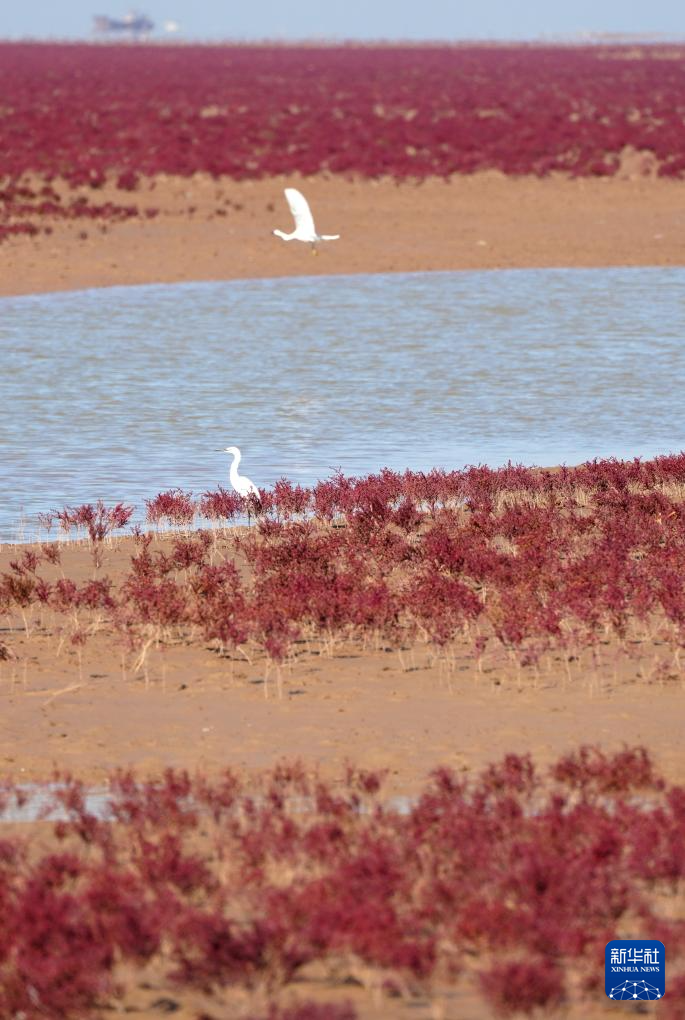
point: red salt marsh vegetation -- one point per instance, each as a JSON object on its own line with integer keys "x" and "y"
{"x": 517, "y": 561}
{"x": 81, "y": 112}
{"x": 290, "y": 898}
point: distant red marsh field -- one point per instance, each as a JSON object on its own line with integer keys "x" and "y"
{"x": 84, "y": 111}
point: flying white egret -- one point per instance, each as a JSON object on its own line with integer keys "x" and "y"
{"x": 304, "y": 221}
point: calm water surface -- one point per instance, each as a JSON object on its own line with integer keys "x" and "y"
{"x": 124, "y": 392}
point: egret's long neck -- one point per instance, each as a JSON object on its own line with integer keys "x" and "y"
{"x": 286, "y": 237}
{"x": 233, "y": 473}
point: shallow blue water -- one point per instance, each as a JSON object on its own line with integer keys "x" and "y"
{"x": 40, "y": 802}
{"x": 123, "y": 392}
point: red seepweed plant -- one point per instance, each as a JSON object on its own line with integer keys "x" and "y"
{"x": 98, "y": 521}
{"x": 174, "y": 506}
{"x": 509, "y": 883}
{"x": 221, "y": 506}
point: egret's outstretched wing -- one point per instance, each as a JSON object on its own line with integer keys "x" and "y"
{"x": 299, "y": 207}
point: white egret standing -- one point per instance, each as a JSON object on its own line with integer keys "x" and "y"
{"x": 242, "y": 485}
{"x": 304, "y": 221}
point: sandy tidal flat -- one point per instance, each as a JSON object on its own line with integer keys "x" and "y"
{"x": 221, "y": 229}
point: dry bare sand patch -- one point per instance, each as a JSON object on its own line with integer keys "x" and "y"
{"x": 221, "y": 229}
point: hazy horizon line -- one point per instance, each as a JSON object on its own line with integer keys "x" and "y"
{"x": 580, "y": 37}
